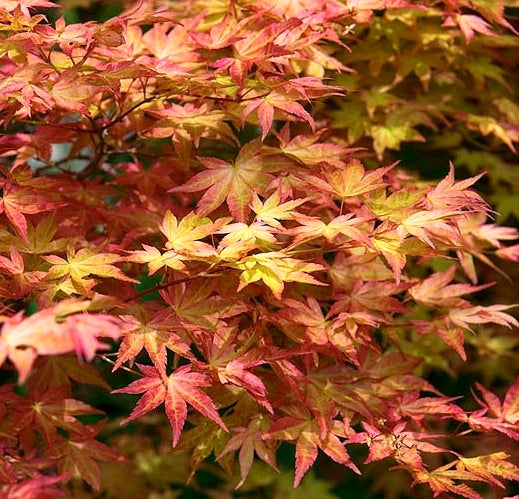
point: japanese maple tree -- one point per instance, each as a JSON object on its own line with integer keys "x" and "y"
{"x": 181, "y": 205}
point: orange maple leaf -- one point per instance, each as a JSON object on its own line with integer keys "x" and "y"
{"x": 232, "y": 182}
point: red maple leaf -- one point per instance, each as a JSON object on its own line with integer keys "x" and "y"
{"x": 302, "y": 428}
{"x": 249, "y": 440}
{"x": 175, "y": 391}
{"x": 20, "y": 201}
{"x": 80, "y": 451}
{"x": 505, "y": 414}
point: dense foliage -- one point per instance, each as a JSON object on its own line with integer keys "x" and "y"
{"x": 198, "y": 203}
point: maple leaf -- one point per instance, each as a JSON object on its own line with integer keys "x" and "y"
{"x": 271, "y": 211}
{"x": 370, "y": 295}
{"x": 480, "y": 468}
{"x": 404, "y": 446}
{"x": 14, "y": 265}
{"x": 435, "y": 290}
{"x": 436, "y": 224}
{"x": 317, "y": 328}
{"x": 469, "y": 24}
{"x": 81, "y": 264}
{"x": 71, "y": 90}
{"x": 172, "y": 43}
{"x": 483, "y": 315}
{"x": 189, "y": 123}
{"x": 249, "y": 440}
{"x": 310, "y": 151}
{"x": 51, "y": 332}
{"x": 234, "y": 182}
{"x": 305, "y": 431}
{"x": 451, "y": 194}
{"x": 506, "y": 414}
{"x": 80, "y": 451}
{"x": 146, "y": 180}
{"x": 52, "y": 409}
{"x": 346, "y": 225}
{"x": 489, "y": 466}
{"x": 442, "y": 480}
{"x": 452, "y": 335}
{"x": 254, "y": 47}
{"x": 68, "y": 37}
{"x": 390, "y": 245}
{"x": 200, "y": 304}
{"x": 61, "y": 370}
{"x": 274, "y": 269}
{"x": 156, "y": 260}
{"x": 17, "y": 202}
{"x": 221, "y": 34}
{"x": 233, "y": 365}
{"x": 183, "y": 236}
{"x": 153, "y": 333}
{"x": 175, "y": 391}
{"x": 242, "y": 239}
{"x": 276, "y": 100}
{"x": 494, "y": 234}
{"x": 25, "y": 5}
{"x": 349, "y": 180}
{"x": 417, "y": 408}
{"x": 40, "y": 238}
{"x": 38, "y": 485}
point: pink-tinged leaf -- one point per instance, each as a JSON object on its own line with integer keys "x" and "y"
{"x": 306, "y": 454}
{"x": 280, "y": 102}
{"x": 470, "y": 24}
{"x": 511, "y": 404}
{"x": 483, "y": 315}
{"x": 265, "y": 116}
{"x": 232, "y": 182}
{"x": 309, "y": 438}
{"x": 455, "y": 195}
{"x": 442, "y": 481}
{"x": 154, "y": 334}
{"x": 12, "y": 266}
{"x": 20, "y": 201}
{"x": 428, "y": 225}
{"x": 509, "y": 253}
{"x": 504, "y": 418}
{"x": 72, "y": 90}
{"x": 249, "y": 440}
{"x": 454, "y": 337}
{"x": 47, "y": 333}
{"x": 79, "y": 453}
{"x": 26, "y": 5}
{"x": 334, "y": 448}
{"x": 37, "y": 486}
{"x": 435, "y": 290}
{"x": 418, "y": 408}
{"x": 348, "y": 180}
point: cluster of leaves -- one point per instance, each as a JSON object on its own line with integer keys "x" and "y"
{"x": 427, "y": 76}
{"x": 180, "y": 144}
